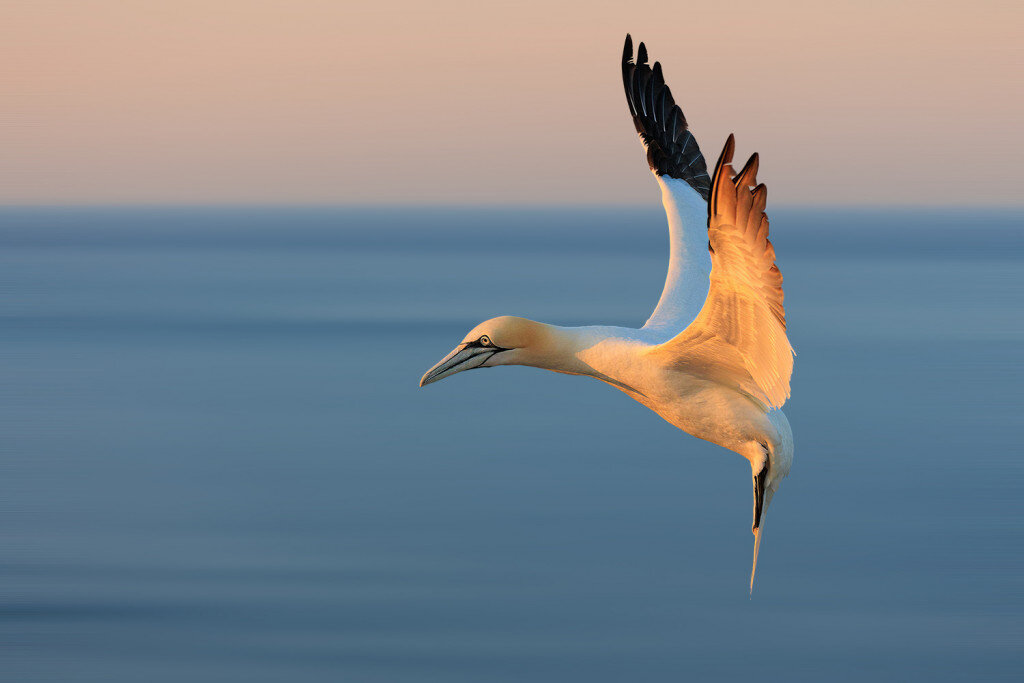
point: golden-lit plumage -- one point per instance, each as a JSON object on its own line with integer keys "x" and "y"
{"x": 739, "y": 336}
{"x": 713, "y": 359}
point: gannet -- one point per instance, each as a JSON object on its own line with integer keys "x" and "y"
{"x": 713, "y": 359}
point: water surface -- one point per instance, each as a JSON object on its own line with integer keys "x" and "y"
{"x": 218, "y": 465}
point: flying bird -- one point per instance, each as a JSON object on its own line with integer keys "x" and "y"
{"x": 713, "y": 359}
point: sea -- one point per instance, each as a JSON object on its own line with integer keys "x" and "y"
{"x": 216, "y": 463}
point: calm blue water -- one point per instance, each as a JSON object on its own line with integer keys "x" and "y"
{"x": 218, "y": 467}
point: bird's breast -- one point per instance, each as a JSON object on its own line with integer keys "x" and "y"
{"x": 698, "y": 406}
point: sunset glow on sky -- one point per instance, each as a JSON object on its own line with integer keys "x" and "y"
{"x": 311, "y": 101}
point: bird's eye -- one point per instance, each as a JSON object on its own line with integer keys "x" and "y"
{"x": 485, "y": 341}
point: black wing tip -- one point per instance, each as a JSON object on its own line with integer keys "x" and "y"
{"x": 660, "y": 122}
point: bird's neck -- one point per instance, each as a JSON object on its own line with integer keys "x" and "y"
{"x": 603, "y": 352}
{"x": 551, "y": 347}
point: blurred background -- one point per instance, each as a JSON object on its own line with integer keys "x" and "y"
{"x": 300, "y": 101}
{"x": 234, "y": 235}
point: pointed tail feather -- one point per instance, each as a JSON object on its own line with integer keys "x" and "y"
{"x": 757, "y": 547}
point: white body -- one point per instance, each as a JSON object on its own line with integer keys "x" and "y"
{"x": 628, "y": 360}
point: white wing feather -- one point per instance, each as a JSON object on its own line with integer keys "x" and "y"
{"x": 686, "y": 285}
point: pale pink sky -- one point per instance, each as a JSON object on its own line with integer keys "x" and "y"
{"x": 310, "y": 101}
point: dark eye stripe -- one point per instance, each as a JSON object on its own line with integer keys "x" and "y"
{"x": 484, "y": 342}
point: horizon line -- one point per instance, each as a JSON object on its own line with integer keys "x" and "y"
{"x": 485, "y": 205}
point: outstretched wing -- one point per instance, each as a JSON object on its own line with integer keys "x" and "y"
{"x": 677, "y": 163}
{"x": 739, "y": 337}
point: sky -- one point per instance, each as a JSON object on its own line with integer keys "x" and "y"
{"x": 450, "y": 102}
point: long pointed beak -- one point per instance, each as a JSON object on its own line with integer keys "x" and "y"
{"x": 462, "y": 357}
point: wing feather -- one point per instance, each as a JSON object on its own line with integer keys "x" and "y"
{"x": 671, "y": 151}
{"x": 676, "y": 161}
{"x": 739, "y": 336}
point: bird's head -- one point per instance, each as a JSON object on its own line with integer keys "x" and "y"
{"x": 505, "y": 340}
{"x": 768, "y": 471}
